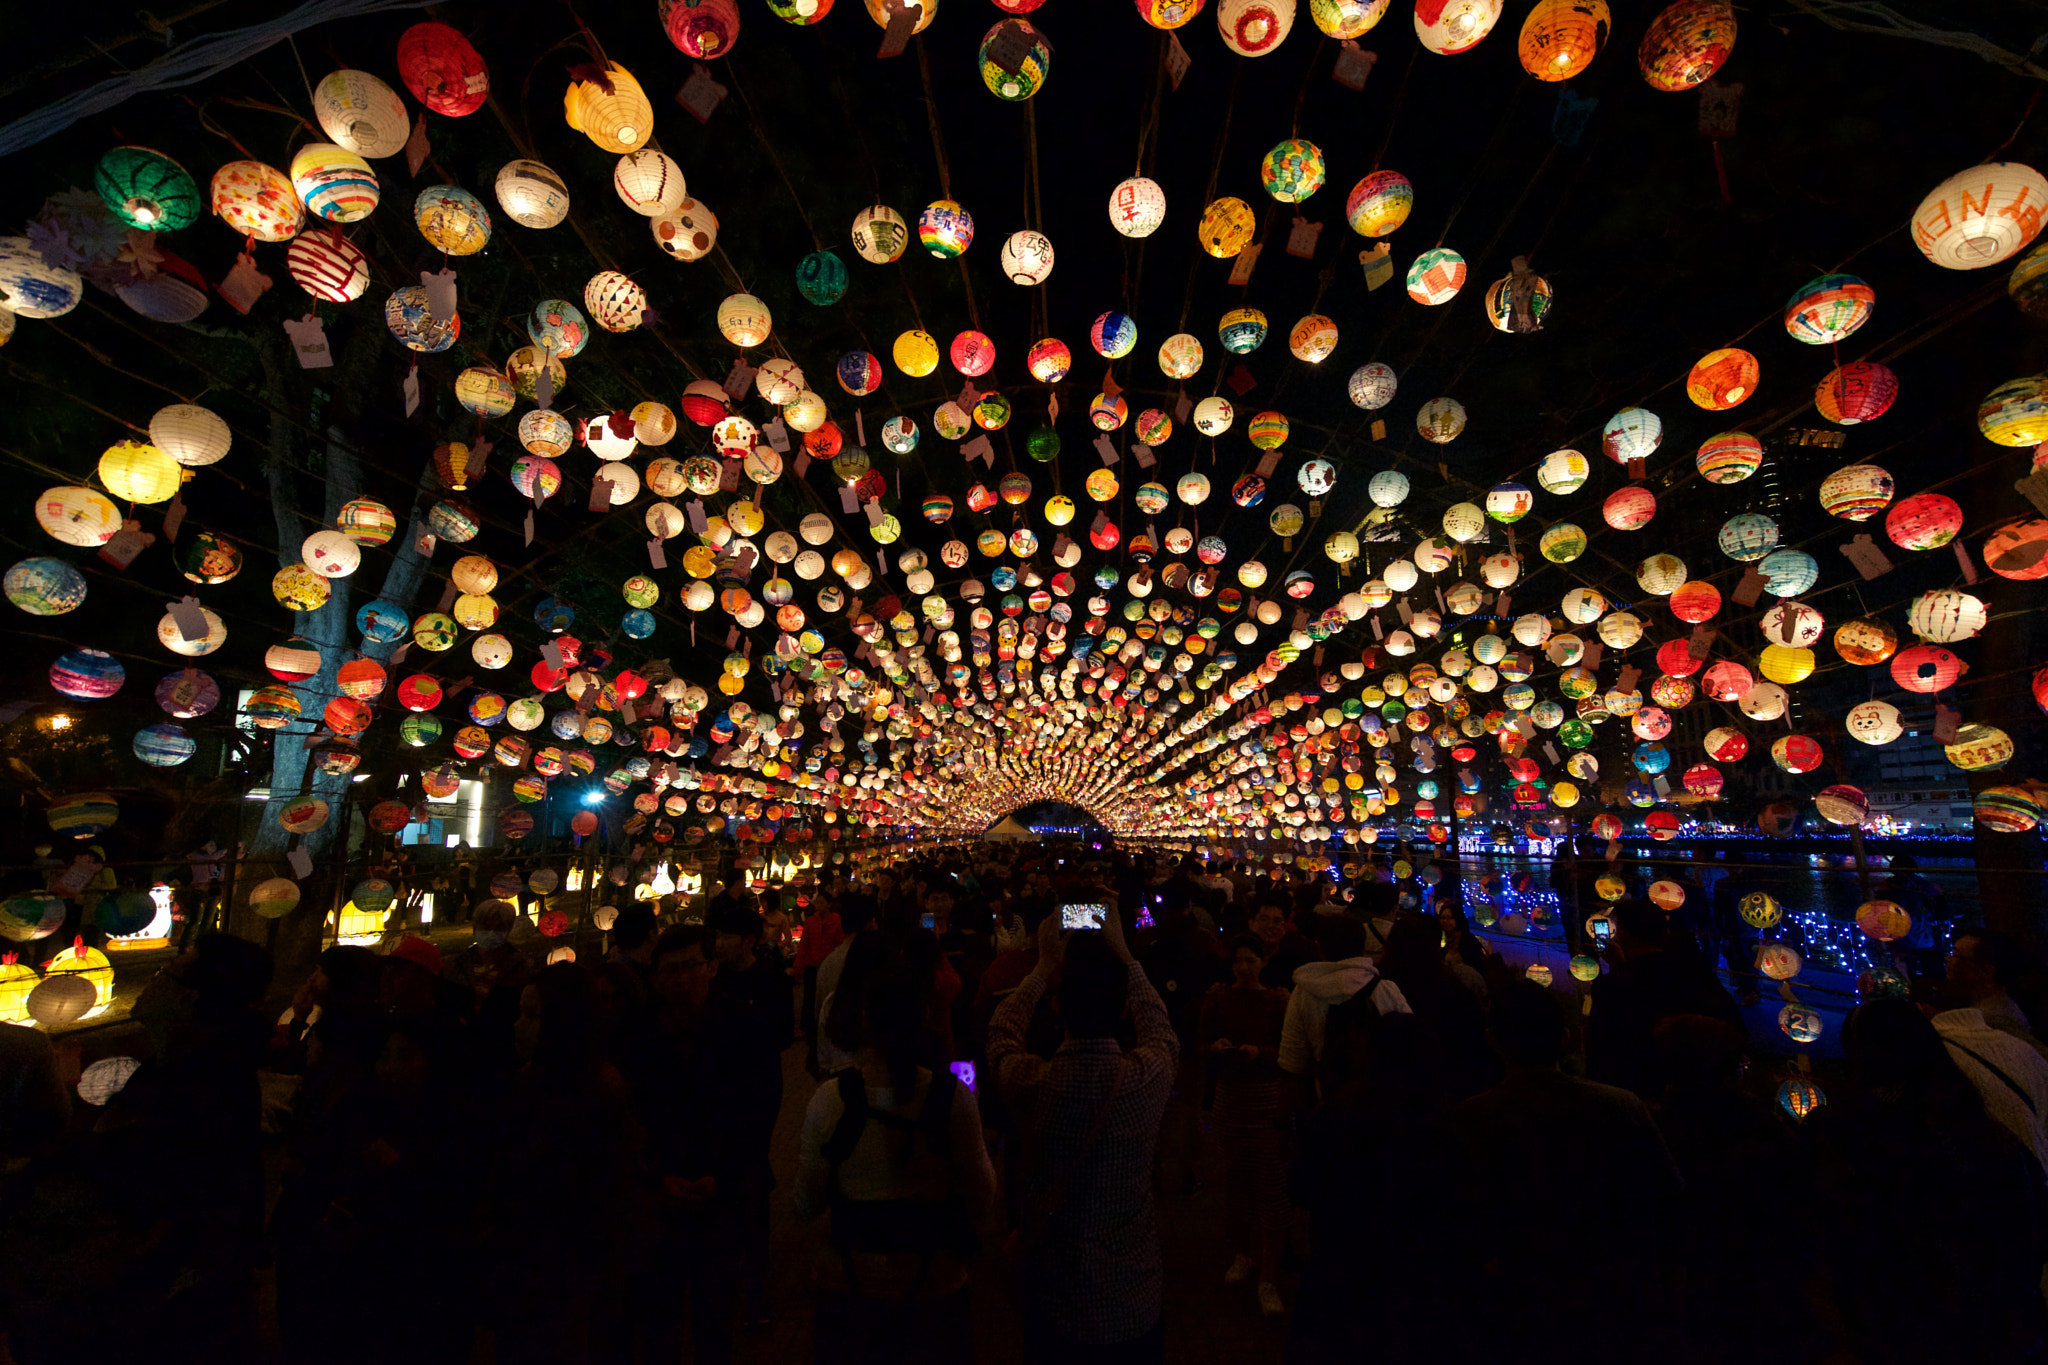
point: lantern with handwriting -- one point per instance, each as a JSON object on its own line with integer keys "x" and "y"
{"x": 1686, "y": 44}
{"x": 1981, "y": 216}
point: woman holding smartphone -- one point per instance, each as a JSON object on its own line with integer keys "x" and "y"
{"x": 1240, "y": 1032}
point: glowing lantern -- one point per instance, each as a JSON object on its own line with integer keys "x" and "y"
{"x": 1180, "y": 356}
{"x": 1748, "y": 536}
{"x": 334, "y": 183}
{"x": 1022, "y": 74}
{"x": 1981, "y": 216}
{"x": 1449, "y": 27}
{"x": 878, "y": 10}
{"x": 2016, "y": 412}
{"x": 1113, "y": 335}
{"x": 442, "y": 70}
{"x": 1242, "y": 330}
{"x": 916, "y": 353}
{"x": 1213, "y": 415}
{"x": 649, "y": 182}
{"x": 1440, "y": 420}
{"x": 1168, "y": 14}
{"x": 1508, "y": 503}
{"x": 1925, "y": 521}
{"x": 1629, "y": 509}
{"x": 1926, "y": 668}
{"x": 1312, "y": 339}
{"x": 1562, "y": 543}
{"x": 1292, "y": 171}
{"x": 1631, "y": 434}
{"x": 1560, "y": 38}
{"x": 413, "y": 323}
{"x": 1252, "y": 28}
{"x": 146, "y": 189}
{"x": 1787, "y": 573}
{"x": 2007, "y": 810}
{"x": 255, "y": 200}
{"x": 1500, "y": 303}
{"x": 1344, "y": 19}
{"x": 1865, "y": 642}
{"x": 1226, "y": 227}
{"x": 1857, "y": 392}
{"x": 1686, "y": 44}
{"x": 618, "y": 119}
{"x": 700, "y": 28}
{"x": 1137, "y": 207}
{"x": 1027, "y": 257}
{"x": 2019, "y": 551}
{"x": 1946, "y": 615}
{"x": 1873, "y": 722}
{"x": 1372, "y": 386}
{"x": 1436, "y": 276}
{"x": 1379, "y": 203}
{"x": 1563, "y": 471}
{"x": 1722, "y": 378}
{"x": 531, "y": 194}
{"x": 745, "y": 321}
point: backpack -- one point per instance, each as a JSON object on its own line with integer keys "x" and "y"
{"x": 901, "y": 1227}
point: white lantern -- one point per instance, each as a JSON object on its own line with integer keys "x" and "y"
{"x": 532, "y": 194}
{"x": 1388, "y": 488}
{"x": 1252, "y": 28}
{"x": 625, "y": 483}
{"x": 1137, "y": 207}
{"x": 649, "y": 182}
{"x": 1440, "y": 420}
{"x": 1213, "y": 416}
{"x": 1401, "y": 575}
{"x": 815, "y": 528}
{"x": 189, "y": 434}
{"x": 1372, "y": 386}
{"x": 1464, "y": 522}
{"x": 1874, "y": 722}
{"x": 1027, "y": 257}
{"x": 605, "y": 442}
{"x": 331, "y": 554}
{"x": 665, "y": 521}
{"x": 361, "y": 113}
{"x": 880, "y": 234}
{"x": 1981, "y": 216}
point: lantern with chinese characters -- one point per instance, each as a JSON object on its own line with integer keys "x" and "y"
{"x": 945, "y": 229}
{"x": 531, "y": 194}
{"x": 880, "y": 234}
{"x": 1686, "y": 44}
{"x": 1449, "y": 27}
{"x": 1925, "y": 521}
{"x": 745, "y": 321}
{"x": 334, "y": 183}
{"x": 1312, "y": 339}
{"x": 1137, "y": 207}
{"x": 1242, "y": 330}
{"x": 1014, "y": 59}
{"x": 619, "y": 119}
{"x": 1856, "y": 392}
{"x": 1252, "y": 28}
{"x": 1027, "y": 257}
{"x": 1226, "y": 227}
{"x": 1560, "y": 38}
{"x": 255, "y": 200}
{"x": 1436, "y": 276}
{"x": 443, "y": 71}
{"x": 1981, "y": 216}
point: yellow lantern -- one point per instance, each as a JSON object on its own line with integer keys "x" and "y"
{"x": 619, "y": 120}
{"x": 1227, "y": 226}
{"x": 135, "y": 471}
{"x": 16, "y": 982}
{"x": 916, "y": 353}
{"x": 878, "y": 10}
{"x": 1560, "y": 38}
{"x": 1786, "y": 664}
{"x": 744, "y": 320}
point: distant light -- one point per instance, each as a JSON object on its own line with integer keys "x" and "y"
{"x": 60, "y": 721}
{"x": 593, "y": 798}
{"x": 360, "y": 777}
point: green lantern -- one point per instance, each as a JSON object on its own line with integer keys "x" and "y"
{"x": 147, "y": 189}
{"x": 1044, "y": 445}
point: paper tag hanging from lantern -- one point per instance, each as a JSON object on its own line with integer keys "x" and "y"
{"x": 416, "y": 150}
{"x": 440, "y": 287}
{"x": 778, "y": 436}
{"x": 1378, "y": 264}
{"x": 1105, "y": 449}
{"x": 1143, "y": 455}
{"x": 544, "y": 382}
{"x": 126, "y": 543}
{"x": 700, "y": 94}
{"x": 1946, "y": 719}
{"x": 300, "y": 862}
{"x": 189, "y": 618}
{"x": 1302, "y": 237}
{"x": 903, "y": 20}
{"x": 174, "y": 517}
{"x": 739, "y": 379}
{"x": 309, "y": 342}
{"x": 1720, "y": 107}
{"x": 1354, "y": 64}
{"x": 1177, "y": 59}
{"x": 244, "y": 284}
{"x": 2034, "y": 488}
{"x": 1869, "y": 560}
{"x": 1241, "y": 268}
{"x": 1012, "y": 44}
{"x": 1379, "y": 430}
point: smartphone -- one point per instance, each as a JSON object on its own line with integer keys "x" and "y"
{"x": 929, "y": 921}
{"x": 1082, "y": 916}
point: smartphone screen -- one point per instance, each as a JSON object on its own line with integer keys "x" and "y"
{"x": 929, "y": 921}
{"x": 1082, "y": 916}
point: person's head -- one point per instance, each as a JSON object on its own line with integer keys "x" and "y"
{"x": 685, "y": 960}
{"x": 736, "y": 930}
{"x": 410, "y": 970}
{"x": 892, "y": 1012}
{"x": 1094, "y": 988}
{"x": 1698, "y": 1054}
{"x": 633, "y": 930}
{"x": 493, "y": 924}
{"x": 1415, "y": 950}
{"x": 1526, "y": 1026}
{"x": 1269, "y": 922}
{"x": 771, "y": 900}
{"x": 1340, "y": 937}
{"x": 1899, "y": 1058}
{"x": 348, "y": 976}
{"x": 1450, "y": 916}
{"x": 1640, "y": 928}
{"x": 1983, "y": 963}
{"x": 557, "y": 1029}
{"x": 1247, "y": 958}
{"x": 229, "y": 974}
{"x": 405, "y": 1066}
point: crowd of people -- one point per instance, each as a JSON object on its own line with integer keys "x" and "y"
{"x": 1410, "y": 1151}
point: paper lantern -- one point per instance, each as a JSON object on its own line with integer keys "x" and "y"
{"x": 1242, "y": 330}
{"x": 1252, "y": 28}
{"x": 1449, "y": 27}
{"x": 1226, "y": 227}
{"x": 253, "y": 199}
{"x": 1695, "y": 601}
{"x": 1946, "y": 615}
{"x": 361, "y": 113}
{"x": 532, "y": 194}
{"x": 559, "y": 328}
{"x": 1379, "y": 203}
{"x": 334, "y": 183}
{"x": 1925, "y": 521}
{"x": 146, "y": 189}
{"x": 1747, "y": 536}
{"x": 328, "y": 266}
{"x": 1979, "y": 748}
{"x": 546, "y": 432}
{"x": 1981, "y": 216}
{"x": 135, "y": 471}
{"x": 1292, "y": 171}
{"x": 409, "y": 319}
{"x": 1560, "y": 38}
{"x": 2019, "y": 551}
{"x": 1312, "y": 339}
{"x": 453, "y": 220}
{"x": 1926, "y": 668}
{"x": 1686, "y": 44}
{"x": 1014, "y": 59}
{"x": 1721, "y": 379}
{"x": 916, "y": 353}
{"x": 442, "y": 70}
{"x": 1372, "y": 386}
{"x": 945, "y": 229}
{"x": 2006, "y": 810}
{"x": 1729, "y": 457}
{"x": 1168, "y": 14}
{"x": 1137, "y": 207}
{"x": 1787, "y": 573}
{"x": 702, "y": 29}
{"x": 1857, "y": 392}
{"x": 1865, "y": 642}
{"x": 42, "y": 586}
{"x": 689, "y": 231}
{"x": 619, "y": 119}
{"x": 1873, "y": 722}
{"x": 170, "y": 637}
{"x": 1436, "y": 276}
{"x": 190, "y": 434}
{"x": 2016, "y": 412}
{"x": 1113, "y": 335}
{"x": 1786, "y": 664}
{"x": 1827, "y": 310}
{"x": 1629, "y": 509}
{"x": 1562, "y": 543}
{"x": 1027, "y": 257}
{"x": 649, "y": 182}
{"x": 87, "y": 674}
{"x": 1563, "y": 471}
{"x": 1856, "y": 492}
{"x": 1213, "y": 415}
{"x": 1440, "y": 420}
{"x": 880, "y": 234}
{"x": 745, "y": 321}
{"x": 1500, "y": 303}
{"x": 1631, "y": 434}
{"x": 1267, "y": 430}
{"x": 614, "y": 302}
{"x": 2028, "y": 283}
{"x": 1180, "y": 356}
{"x": 878, "y": 10}
{"x": 535, "y": 476}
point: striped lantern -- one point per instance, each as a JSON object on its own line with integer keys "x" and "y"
{"x": 255, "y": 200}
{"x": 366, "y": 521}
{"x": 443, "y": 71}
{"x": 361, "y": 113}
{"x": 190, "y": 434}
{"x": 2016, "y": 412}
{"x": 146, "y": 189}
{"x": 328, "y": 266}
{"x": 334, "y": 183}
{"x": 1379, "y": 203}
{"x": 458, "y": 464}
{"x": 618, "y": 120}
{"x": 1828, "y": 309}
{"x": 1981, "y": 216}
{"x": 649, "y": 182}
{"x": 1729, "y": 457}
{"x": 1686, "y": 44}
{"x": 1860, "y": 391}
{"x": 1856, "y": 492}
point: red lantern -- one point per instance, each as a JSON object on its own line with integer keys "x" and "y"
{"x": 389, "y": 817}
{"x": 825, "y": 442}
{"x": 361, "y": 678}
{"x": 346, "y": 716}
{"x": 553, "y": 923}
{"x": 514, "y": 823}
{"x": 1695, "y": 601}
{"x": 1105, "y": 535}
{"x": 1927, "y": 668}
{"x": 419, "y": 693}
{"x": 1606, "y": 826}
{"x": 1630, "y": 508}
{"x": 1703, "y": 780}
{"x": 1726, "y": 744}
{"x": 1662, "y": 825}
{"x": 1675, "y": 658}
{"x": 584, "y": 822}
{"x": 1727, "y": 681}
{"x": 1857, "y": 392}
{"x": 442, "y": 70}
{"x": 549, "y": 679}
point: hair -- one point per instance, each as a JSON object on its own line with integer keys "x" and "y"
{"x": 355, "y": 973}
{"x": 1892, "y": 1046}
{"x": 856, "y": 910}
{"x": 1528, "y": 1029}
{"x": 634, "y": 926}
{"x": 1415, "y": 950}
{"x": 1641, "y": 921}
{"x": 1999, "y": 951}
{"x": 1270, "y": 903}
{"x": 495, "y": 916}
{"x": 1094, "y": 988}
{"x": 892, "y": 1011}
{"x": 1340, "y": 936}
{"x": 1698, "y": 1053}
{"x": 569, "y": 1019}
{"x": 733, "y": 919}
{"x": 683, "y": 937}
{"x": 229, "y": 973}
{"x": 1247, "y": 943}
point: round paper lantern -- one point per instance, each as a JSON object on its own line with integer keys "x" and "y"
{"x": 1560, "y": 38}
{"x": 1029, "y": 52}
{"x": 1695, "y": 601}
{"x": 1856, "y": 392}
{"x": 1630, "y": 508}
{"x": 409, "y": 319}
{"x": 745, "y": 321}
{"x": 1873, "y": 722}
{"x": 2006, "y": 810}
{"x": 1631, "y": 434}
{"x": 1372, "y": 386}
{"x": 1345, "y": 19}
{"x": 1925, "y": 521}
{"x": 1180, "y": 356}
{"x": 689, "y": 231}
{"x": 1786, "y": 664}
{"x": 1292, "y": 171}
{"x": 1748, "y": 536}
{"x": 1979, "y": 748}
{"x": 1865, "y": 642}
{"x": 2016, "y": 412}
{"x": 2019, "y": 551}
{"x": 702, "y": 29}
{"x": 135, "y": 471}
{"x": 1686, "y": 44}
{"x": 1926, "y": 668}
{"x": 1168, "y": 14}
{"x": 146, "y": 189}
{"x": 1787, "y": 573}
{"x": 649, "y": 182}
{"x": 334, "y": 183}
{"x": 1227, "y": 227}
{"x": 189, "y": 434}
{"x": 253, "y": 199}
{"x": 1242, "y": 330}
{"x": 614, "y": 301}
{"x": 1562, "y": 543}
{"x": 361, "y": 113}
{"x": 618, "y": 120}
{"x": 1440, "y": 420}
{"x": 1449, "y": 27}
{"x": 164, "y": 746}
{"x": 87, "y": 674}
{"x": 1252, "y": 28}
{"x": 1563, "y": 471}
{"x": 879, "y": 232}
{"x": 1436, "y": 276}
{"x": 1721, "y": 379}
{"x": 1027, "y": 257}
{"x": 1113, "y": 335}
{"x": 77, "y": 516}
{"x": 1049, "y": 360}
{"x": 531, "y": 194}
{"x": 1826, "y": 310}
{"x": 63, "y": 999}
{"x": 1213, "y": 415}
{"x": 916, "y": 353}
{"x": 328, "y": 266}
{"x": 1137, "y": 207}
{"x": 42, "y": 586}
{"x": 1500, "y": 304}
{"x": 442, "y": 70}
{"x": 1946, "y": 615}
{"x": 331, "y": 554}
{"x": 1312, "y": 339}
{"x": 1379, "y": 203}
{"x": 1981, "y": 216}
{"x": 945, "y": 229}
{"x": 1856, "y": 492}
{"x": 2028, "y": 283}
